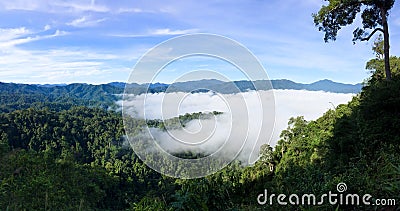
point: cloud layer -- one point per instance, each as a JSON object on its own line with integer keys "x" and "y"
{"x": 239, "y": 125}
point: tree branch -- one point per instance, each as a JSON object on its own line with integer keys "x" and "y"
{"x": 373, "y": 32}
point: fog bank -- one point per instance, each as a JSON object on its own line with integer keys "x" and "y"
{"x": 239, "y": 125}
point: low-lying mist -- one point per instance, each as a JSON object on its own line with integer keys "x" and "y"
{"x": 227, "y": 129}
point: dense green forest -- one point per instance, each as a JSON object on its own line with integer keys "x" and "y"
{"x": 23, "y": 96}
{"x": 76, "y": 158}
{"x": 65, "y": 147}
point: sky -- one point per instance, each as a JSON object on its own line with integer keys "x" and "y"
{"x": 93, "y": 41}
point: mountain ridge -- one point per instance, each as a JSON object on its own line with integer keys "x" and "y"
{"x": 240, "y": 86}
{"x": 191, "y": 86}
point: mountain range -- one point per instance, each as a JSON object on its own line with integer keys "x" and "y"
{"x": 239, "y": 86}
{"x": 62, "y": 96}
{"x": 188, "y": 86}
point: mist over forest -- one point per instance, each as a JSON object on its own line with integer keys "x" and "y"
{"x": 287, "y": 104}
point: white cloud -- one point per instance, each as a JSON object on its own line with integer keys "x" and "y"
{"x": 52, "y": 67}
{"x": 156, "y": 32}
{"x": 59, "y": 33}
{"x": 7, "y": 34}
{"x": 130, "y": 10}
{"x": 16, "y": 36}
{"x": 310, "y": 104}
{"x": 167, "y": 31}
{"x": 59, "y": 65}
{"x": 21, "y": 5}
{"x": 47, "y": 27}
{"x": 135, "y": 10}
{"x": 55, "y": 6}
{"x": 82, "y": 7}
{"x": 85, "y": 21}
{"x": 288, "y": 103}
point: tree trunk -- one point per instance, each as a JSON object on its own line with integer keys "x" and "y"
{"x": 386, "y": 44}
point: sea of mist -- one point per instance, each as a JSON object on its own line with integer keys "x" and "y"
{"x": 208, "y": 135}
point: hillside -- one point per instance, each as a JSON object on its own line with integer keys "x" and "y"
{"x": 77, "y": 158}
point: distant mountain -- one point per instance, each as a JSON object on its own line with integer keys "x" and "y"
{"x": 90, "y": 91}
{"x": 60, "y": 96}
{"x": 330, "y": 86}
{"x": 117, "y": 84}
{"x": 287, "y": 84}
{"x": 240, "y": 86}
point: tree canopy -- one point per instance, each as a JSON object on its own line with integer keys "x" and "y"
{"x": 339, "y": 13}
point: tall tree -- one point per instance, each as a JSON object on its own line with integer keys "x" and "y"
{"x": 339, "y": 13}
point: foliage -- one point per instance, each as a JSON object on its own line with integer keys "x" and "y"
{"x": 339, "y": 13}
{"x": 377, "y": 68}
{"x": 374, "y": 13}
{"x": 23, "y": 96}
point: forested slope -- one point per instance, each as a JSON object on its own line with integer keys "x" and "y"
{"x": 76, "y": 158}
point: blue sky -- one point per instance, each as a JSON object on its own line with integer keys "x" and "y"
{"x": 100, "y": 41}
